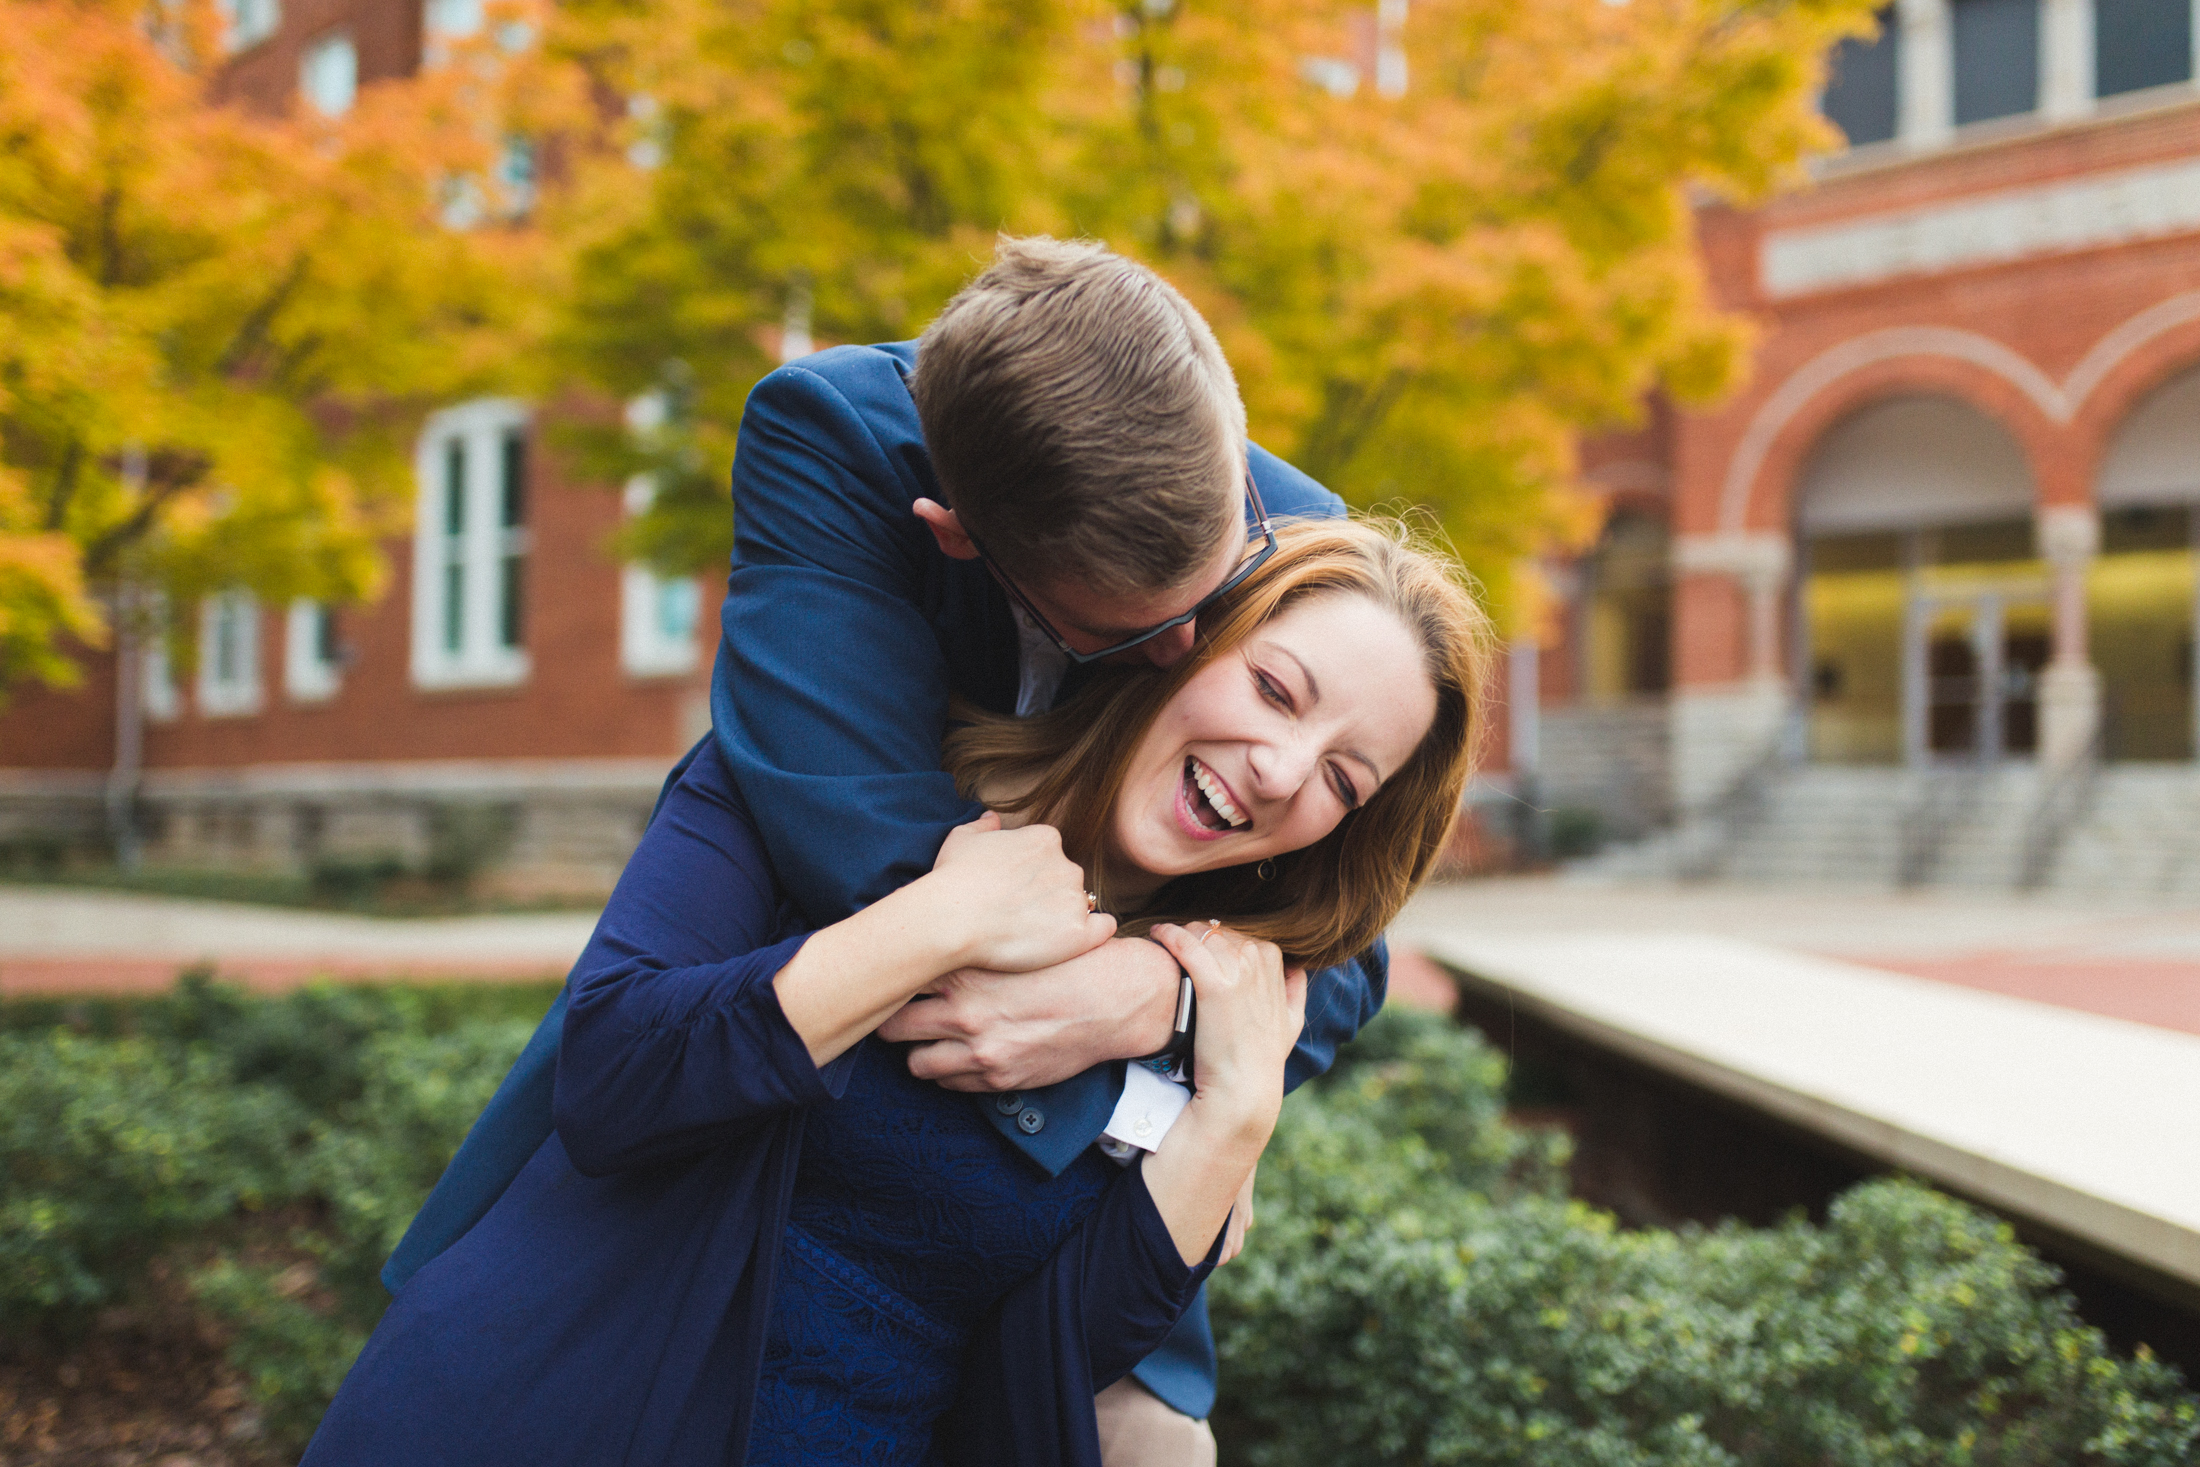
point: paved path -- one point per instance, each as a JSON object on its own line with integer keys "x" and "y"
{"x": 2129, "y": 960}
{"x": 2038, "y": 1054}
{"x": 62, "y": 940}
{"x": 2090, "y": 1125}
{"x": 2132, "y": 962}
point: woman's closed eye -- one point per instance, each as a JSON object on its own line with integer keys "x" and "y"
{"x": 1339, "y": 782}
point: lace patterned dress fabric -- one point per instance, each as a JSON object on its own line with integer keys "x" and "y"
{"x": 911, "y": 1218}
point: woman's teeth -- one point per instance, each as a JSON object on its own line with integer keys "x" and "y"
{"x": 1217, "y": 800}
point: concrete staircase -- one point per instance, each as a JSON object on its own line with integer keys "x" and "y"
{"x": 2141, "y": 834}
{"x": 2126, "y": 828}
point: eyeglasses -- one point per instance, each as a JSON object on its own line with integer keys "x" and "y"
{"x": 1255, "y": 557}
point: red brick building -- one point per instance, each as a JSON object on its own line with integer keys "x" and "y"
{"x": 514, "y": 698}
{"x": 1919, "y": 601}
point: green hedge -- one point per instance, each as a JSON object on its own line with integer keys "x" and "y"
{"x": 272, "y": 1149}
{"x": 1418, "y": 1289}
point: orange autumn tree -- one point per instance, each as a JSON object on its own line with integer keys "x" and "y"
{"x": 217, "y": 330}
{"x": 1438, "y": 240}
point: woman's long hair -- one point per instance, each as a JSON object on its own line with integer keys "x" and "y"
{"x": 1327, "y": 902}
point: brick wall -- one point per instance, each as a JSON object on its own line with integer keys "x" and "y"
{"x": 387, "y": 35}
{"x": 576, "y": 702}
{"x": 2056, "y": 346}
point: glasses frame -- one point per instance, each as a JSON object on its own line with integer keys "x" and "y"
{"x": 1236, "y": 578}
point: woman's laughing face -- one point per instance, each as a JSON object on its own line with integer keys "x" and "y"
{"x": 1271, "y": 744}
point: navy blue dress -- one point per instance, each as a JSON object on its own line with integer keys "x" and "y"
{"x": 727, "y": 1255}
{"x": 910, "y": 1220}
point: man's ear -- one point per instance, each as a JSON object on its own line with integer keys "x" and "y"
{"x": 946, "y": 529}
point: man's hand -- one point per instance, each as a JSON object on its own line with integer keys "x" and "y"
{"x": 980, "y": 1030}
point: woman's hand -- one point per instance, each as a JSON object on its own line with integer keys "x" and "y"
{"x": 1250, "y": 1015}
{"x": 1014, "y": 900}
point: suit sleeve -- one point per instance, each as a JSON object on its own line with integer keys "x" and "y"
{"x": 674, "y": 1041}
{"x": 1339, "y": 1002}
{"x": 830, "y": 695}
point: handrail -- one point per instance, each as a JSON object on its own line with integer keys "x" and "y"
{"x": 1921, "y": 835}
{"x": 1735, "y": 810}
{"x": 2062, "y": 804}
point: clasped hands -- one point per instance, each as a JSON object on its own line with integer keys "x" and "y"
{"x": 1045, "y": 990}
{"x": 1051, "y": 991}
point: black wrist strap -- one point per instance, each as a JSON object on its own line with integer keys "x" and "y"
{"x": 1182, "y": 1030}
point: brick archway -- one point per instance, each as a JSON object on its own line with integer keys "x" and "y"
{"x": 2153, "y": 348}
{"x": 1983, "y": 374}
{"x": 2063, "y": 426}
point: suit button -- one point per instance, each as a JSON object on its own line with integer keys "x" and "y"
{"x": 1009, "y": 1104}
{"x": 1031, "y": 1120}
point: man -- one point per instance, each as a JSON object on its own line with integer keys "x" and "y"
{"x": 1056, "y": 474}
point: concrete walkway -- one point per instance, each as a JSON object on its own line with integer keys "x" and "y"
{"x": 1950, "y": 1037}
{"x": 2133, "y": 960}
{"x": 58, "y": 940}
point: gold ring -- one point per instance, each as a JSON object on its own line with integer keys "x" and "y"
{"x": 1092, "y": 901}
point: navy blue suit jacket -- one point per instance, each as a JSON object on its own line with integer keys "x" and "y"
{"x": 846, "y": 634}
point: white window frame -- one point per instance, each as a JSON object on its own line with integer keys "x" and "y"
{"x": 455, "y": 19}
{"x": 309, "y": 674}
{"x": 229, "y": 655}
{"x": 461, "y": 644}
{"x": 246, "y": 23}
{"x": 328, "y": 73}
{"x": 647, "y": 648}
{"x": 161, "y": 698}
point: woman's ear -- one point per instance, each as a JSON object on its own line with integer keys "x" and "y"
{"x": 946, "y": 529}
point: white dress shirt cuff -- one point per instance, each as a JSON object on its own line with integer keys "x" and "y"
{"x": 1149, "y": 1106}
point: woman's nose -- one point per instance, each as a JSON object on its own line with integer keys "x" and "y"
{"x": 1280, "y": 769}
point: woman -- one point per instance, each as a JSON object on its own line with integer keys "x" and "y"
{"x": 756, "y": 1238}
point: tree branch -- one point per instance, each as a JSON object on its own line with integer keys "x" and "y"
{"x": 110, "y": 236}
{"x": 252, "y": 331}
{"x": 64, "y": 488}
{"x": 168, "y": 473}
{"x": 1350, "y": 413}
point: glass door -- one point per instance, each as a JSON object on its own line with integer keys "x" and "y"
{"x": 1974, "y": 660}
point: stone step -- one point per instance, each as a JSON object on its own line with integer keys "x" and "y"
{"x": 2139, "y": 829}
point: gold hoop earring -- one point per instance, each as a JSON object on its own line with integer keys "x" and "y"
{"x": 1266, "y": 870}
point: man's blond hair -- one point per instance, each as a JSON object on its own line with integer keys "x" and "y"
{"x": 1081, "y": 419}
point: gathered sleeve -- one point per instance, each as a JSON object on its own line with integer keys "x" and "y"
{"x": 1100, "y": 1304}
{"x": 674, "y": 1041}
